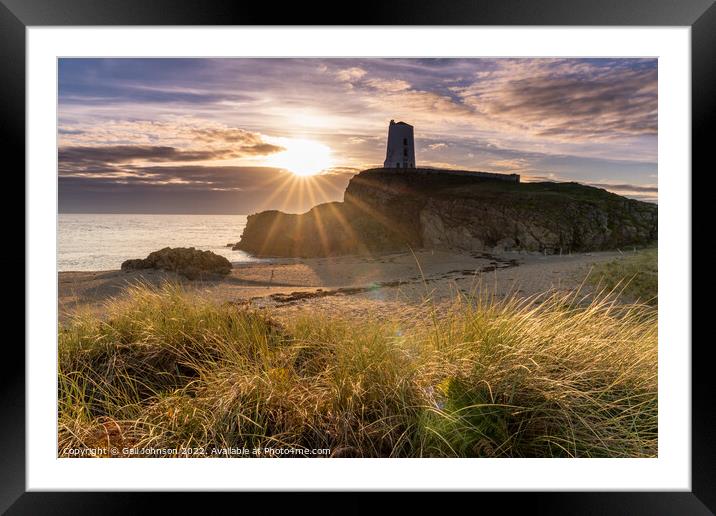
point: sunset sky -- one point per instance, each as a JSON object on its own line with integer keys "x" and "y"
{"x": 242, "y": 135}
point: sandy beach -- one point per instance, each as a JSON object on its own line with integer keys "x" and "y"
{"x": 351, "y": 285}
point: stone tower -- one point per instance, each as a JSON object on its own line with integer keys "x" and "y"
{"x": 401, "y": 147}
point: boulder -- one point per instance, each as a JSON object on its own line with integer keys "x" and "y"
{"x": 187, "y": 261}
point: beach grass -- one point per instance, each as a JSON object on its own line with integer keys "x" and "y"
{"x": 557, "y": 375}
{"x": 634, "y": 275}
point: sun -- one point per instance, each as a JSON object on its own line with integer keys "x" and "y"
{"x": 302, "y": 157}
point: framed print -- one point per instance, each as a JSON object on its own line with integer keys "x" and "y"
{"x": 440, "y": 249}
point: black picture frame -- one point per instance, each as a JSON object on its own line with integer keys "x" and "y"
{"x": 700, "y": 15}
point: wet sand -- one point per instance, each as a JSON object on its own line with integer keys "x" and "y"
{"x": 351, "y": 285}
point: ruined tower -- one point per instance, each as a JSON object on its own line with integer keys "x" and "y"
{"x": 401, "y": 147}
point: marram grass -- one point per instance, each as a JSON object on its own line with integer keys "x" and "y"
{"x": 554, "y": 376}
{"x": 635, "y": 275}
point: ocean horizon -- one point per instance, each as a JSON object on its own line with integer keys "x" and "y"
{"x": 99, "y": 241}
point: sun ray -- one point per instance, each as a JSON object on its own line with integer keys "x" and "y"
{"x": 317, "y": 216}
{"x": 375, "y": 215}
{"x": 274, "y": 223}
{"x": 276, "y": 190}
{"x": 339, "y": 217}
{"x": 289, "y": 193}
{"x": 321, "y": 230}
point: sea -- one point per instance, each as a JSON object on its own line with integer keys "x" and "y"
{"x": 98, "y": 242}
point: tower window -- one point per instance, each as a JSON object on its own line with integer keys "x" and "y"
{"x": 405, "y": 141}
{"x": 397, "y": 165}
{"x": 405, "y": 152}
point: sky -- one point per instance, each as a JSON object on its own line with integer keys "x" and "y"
{"x": 243, "y": 135}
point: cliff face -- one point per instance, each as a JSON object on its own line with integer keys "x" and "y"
{"x": 386, "y": 211}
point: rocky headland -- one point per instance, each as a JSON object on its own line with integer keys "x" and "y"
{"x": 389, "y": 211}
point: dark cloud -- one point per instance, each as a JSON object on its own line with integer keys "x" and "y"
{"x": 198, "y": 189}
{"x": 641, "y": 197}
{"x": 178, "y": 177}
{"x": 626, "y": 187}
{"x": 123, "y": 153}
{"x": 132, "y": 94}
{"x": 86, "y": 156}
{"x": 70, "y": 131}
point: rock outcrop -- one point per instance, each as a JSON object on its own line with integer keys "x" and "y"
{"x": 189, "y": 262}
{"x": 387, "y": 211}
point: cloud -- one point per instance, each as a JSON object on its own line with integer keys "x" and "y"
{"x": 174, "y": 131}
{"x": 550, "y": 177}
{"x": 350, "y": 74}
{"x": 393, "y": 85}
{"x": 569, "y": 98}
{"x": 88, "y": 158}
{"x": 626, "y": 187}
{"x": 438, "y": 146}
{"x": 638, "y": 192}
{"x": 509, "y": 165}
{"x": 246, "y": 139}
{"x": 391, "y": 95}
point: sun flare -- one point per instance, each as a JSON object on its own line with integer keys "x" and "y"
{"x": 302, "y": 157}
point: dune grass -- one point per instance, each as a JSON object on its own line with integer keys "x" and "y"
{"x": 634, "y": 275}
{"x": 542, "y": 377}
